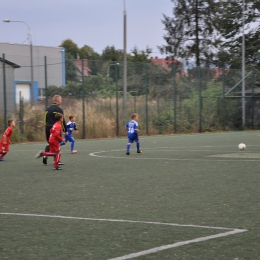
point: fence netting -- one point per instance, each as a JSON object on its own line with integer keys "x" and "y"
{"x": 168, "y": 98}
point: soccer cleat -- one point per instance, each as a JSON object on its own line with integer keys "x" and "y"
{"x": 2, "y": 159}
{"x": 44, "y": 159}
{"x": 57, "y": 168}
{"x": 127, "y": 153}
{"x": 38, "y": 155}
{"x": 74, "y": 151}
{"x": 60, "y": 163}
{"x": 139, "y": 151}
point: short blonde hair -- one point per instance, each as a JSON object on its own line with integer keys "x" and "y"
{"x": 134, "y": 115}
{"x": 56, "y": 98}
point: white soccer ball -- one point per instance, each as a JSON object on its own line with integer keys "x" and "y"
{"x": 242, "y": 146}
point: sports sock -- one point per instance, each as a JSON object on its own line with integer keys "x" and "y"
{"x": 3, "y": 155}
{"x": 138, "y": 146}
{"x": 128, "y": 148}
{"x": 72, "y": 146}
{"x": 56, "y": 160}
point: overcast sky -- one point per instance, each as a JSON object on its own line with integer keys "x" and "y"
{"x": 97, "y": 23}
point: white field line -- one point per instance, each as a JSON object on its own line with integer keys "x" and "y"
{"x": 152, "y": 250}
{"x": 97, "y": 154}
{"x": 182, "y": 243}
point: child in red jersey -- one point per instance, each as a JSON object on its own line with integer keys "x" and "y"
{"x": 54, "y": 142}
{"x": 5, "y": 140}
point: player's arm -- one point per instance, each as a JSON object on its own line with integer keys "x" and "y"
{"x": 6, "y": 133}
{"x": 75, "y": 128}
{"x": 64, "y": 127}
{"x": 45, "y": 118}
{"x": 126, "y": 128}
{"x": 4, "y": 140}
{"x": 63, "y": 124}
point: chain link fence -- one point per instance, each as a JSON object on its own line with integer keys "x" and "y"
{"x": 168, "y": 98}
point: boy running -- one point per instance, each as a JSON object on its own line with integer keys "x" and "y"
{"x": 5, "y": 140}
{"x": 131, "y": 128}
{"x": 54, "y": 142}
{"x": 71, "y": 125}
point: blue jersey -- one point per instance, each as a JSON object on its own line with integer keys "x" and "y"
{"x": 70, "y": 127}
{"x": 132, "y": 127}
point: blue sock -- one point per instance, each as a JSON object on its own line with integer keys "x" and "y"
{"x": 62, "y": 143}
{"x": 72, "y": 146}
{"x": 138, "y": 146}
{"x": 128, "y": 148}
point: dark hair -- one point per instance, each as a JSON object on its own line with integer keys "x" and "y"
{"x": 70, "y": 117}
{"x": 9, "y": 122}
{"x": 58, "y": 116}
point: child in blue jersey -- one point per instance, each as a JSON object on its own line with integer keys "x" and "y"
{"x": 71, "y": 125}
{"x": 131, "y": 128}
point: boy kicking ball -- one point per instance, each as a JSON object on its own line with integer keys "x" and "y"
{"x": 131, "y": 128}
{"x": 54, "y": 142}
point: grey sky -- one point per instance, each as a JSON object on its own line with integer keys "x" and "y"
{"x": 97, "y": 23}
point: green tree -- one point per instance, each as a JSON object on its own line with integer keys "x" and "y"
{"x": 191, "y": 31}
{"x": 70, "y": 47}
{"x": 140, "y": 56}
{"x": 86, "y": 52}
{"x": 110, "y": 53}
{"x": 230, "y": 20}
{"x": 71, "y": 69}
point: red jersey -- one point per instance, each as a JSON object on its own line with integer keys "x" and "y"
{"x": 56, "y": 131}
{"x": 8, "y": 133}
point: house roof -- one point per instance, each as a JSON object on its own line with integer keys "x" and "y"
{"x": 10, "y": 63}
{"x": 165, "y": 63}
{"x": 86, "y": 69}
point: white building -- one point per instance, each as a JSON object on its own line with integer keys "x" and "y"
{"x": 48, "y": 69}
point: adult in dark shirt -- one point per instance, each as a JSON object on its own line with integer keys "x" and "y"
{"x": 49, "y": 121}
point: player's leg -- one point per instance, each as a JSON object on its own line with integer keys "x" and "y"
{"x": 63, "y": 143}
{"x": 47, "y": 148}
{"x": 46, "y": 154}
{"x": 56, "y": 161}
{"x": 138, "y": 145}
{"x": 55, "y": 148}
{"x": 128, "y": 146}
{"x": 2, "y": 155}
{"x": 3, "y": 151}
{"x": 72, "y": 144}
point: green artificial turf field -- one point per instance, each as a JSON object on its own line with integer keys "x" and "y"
{"x": 185, "y": 197}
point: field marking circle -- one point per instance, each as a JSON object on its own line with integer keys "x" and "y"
{"x": 176, "y": 149}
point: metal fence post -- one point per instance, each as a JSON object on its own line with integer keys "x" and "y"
{"x": 146, "y": 100}
{"x": 83, "y": 102}
{"x": 174, "y": 97}
{"x": 20, "y": 112}
{"x": 253, "y": 99}
{"x": 46, "y": 83}
{"x": 4, "y": 96}
{"x": 224, "y": 99}
{"x": 117, "y": 112}
{"x": 200, "y": 100}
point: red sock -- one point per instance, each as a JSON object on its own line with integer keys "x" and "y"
{"x": 56, "y": 160}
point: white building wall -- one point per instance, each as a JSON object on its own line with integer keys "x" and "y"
{"x": 20, "y": 54}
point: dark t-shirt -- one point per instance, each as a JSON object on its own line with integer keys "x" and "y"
{"x": 49, "y": 116}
